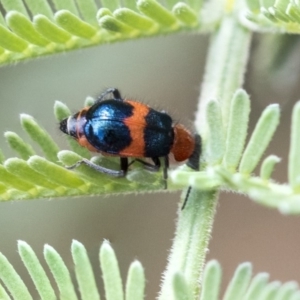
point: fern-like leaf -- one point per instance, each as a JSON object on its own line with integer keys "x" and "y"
{"x": 40, "y": 29}
{"x": 280, "y": 16}
{"x": 241, "y": 286}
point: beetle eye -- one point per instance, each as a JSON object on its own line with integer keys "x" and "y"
{"x": 68, "y": 126}
{"x": 63, "y": 126}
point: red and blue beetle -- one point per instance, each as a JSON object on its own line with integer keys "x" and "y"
{"x": 126, "y": 128}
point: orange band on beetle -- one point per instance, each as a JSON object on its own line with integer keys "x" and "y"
{"x": 136, "y": 124}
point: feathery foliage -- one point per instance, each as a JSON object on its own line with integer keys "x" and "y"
{"x": 34, "y": 28}
{"x": 273, "y": 16}
{"x": 241, "y": 286}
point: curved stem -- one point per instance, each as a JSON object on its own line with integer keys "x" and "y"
{"x": 191, "y": 241}
{"x": 224, "y": 73}
{"x": 225, "y": 68}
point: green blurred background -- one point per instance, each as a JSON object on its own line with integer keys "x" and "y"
{"x": 164, "y": 72}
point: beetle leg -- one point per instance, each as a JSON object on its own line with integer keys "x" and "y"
{"x": 148, "y": 166}
{"x": 156, "y": 166}
{"x": 194, "y": 160}
{"x": 186, "y": 197}
{"x": 98, "y": 168}
{"x": 166, "y": 167}
{"x": 124, "y": 164}
{"x": 115, "y": 92}
{"x": 193, "y": 163}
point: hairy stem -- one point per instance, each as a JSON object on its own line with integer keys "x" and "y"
{"x": 225, "y": 68}
{"x": 227, "y": 58}
{"x": 191, "y": 240}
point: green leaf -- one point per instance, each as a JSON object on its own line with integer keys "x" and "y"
{"x": 80, "y": 28}
{"x": 295, "y": 296}
{"x": 294, "y": 157}
{"x": 257, "y": 285}
{"x": 268, "y": 15}
{"x": 170, "y": 3}
{"x": 17, "y": 144}
{"x": 216, "y": 143}
{"x": 57, "y": 174}
{"x": 279, "y": 14}
{"x": 88, "y": 10}
{"x": 75, "y": 25}
{"x": 61, "y": 111}
{"x": 103, "y": 12}
{"x": 3, "y": 294}
{"x": 60, "y": 273}
{"x": 36, "y": 271}
{"x": 66, "y": 5}
{"x": 270, "y": 291}
{"x": 24, "y": 28}
{"x": 157, "y": 12}
{"x": 83, "y": 269}
{"x": 12, "y": 280}
{"x": 40, "y": 136}
{"x": 286, "y": 291}
{"x": 185, "y": 14}
{"x": 135, "y": 285}
{"x": 131, "y": 4}
{"x": 16, "y": 5}
{"x": 84, "y": 273}
{"x": 282, "y": 16}
{"x": 237, "y": 129}
{"x": 89, "y": 101}
{"x": 112, "y": 24}
{"x": 12, "y": 42}
{"x": 211, "y": 281}
{"x": 181, "y": 290}
{"x": 268, "y": 165}
{"x": 267, "y": 3}
{"x": 39, "y": 7}
{"x": 69, "y": 158}
{"x": 293, "y": 11}
{"x": 20, "y": 168}
{"x": 253, "y": 5}
{"x": 111, "y": 4}
{"x": 111, "y": 273}
{"x": 135, "y": 20}
{"x": 15, "y": 181}
{"x": 50, "y": 30}
{"x": 195, "y": 4}
{"x": 260, "y": 138}
{"x": 282, "y": 4}
{"x": 239, "y": 283}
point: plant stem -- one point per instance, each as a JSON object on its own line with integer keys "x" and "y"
{"x": 224, "y": 72}
{"x": 191, "y": 239}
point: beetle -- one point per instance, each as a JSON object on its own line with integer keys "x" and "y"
{"x": 126, "y": 128}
